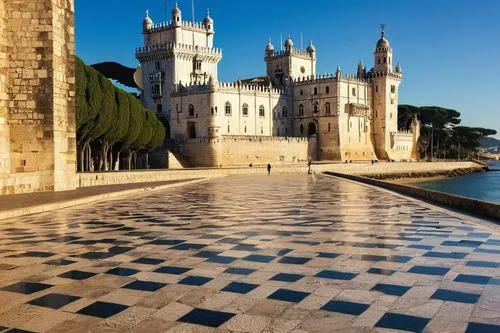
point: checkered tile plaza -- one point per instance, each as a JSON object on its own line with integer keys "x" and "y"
{"x": 251, "y": 254}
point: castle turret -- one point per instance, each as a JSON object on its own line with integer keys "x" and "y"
{"x": 289, "y": 44}
{"x": 176, "y": 15}
{"x": 147, "y": 24}
{"x": 361, "y": 70}
{"x": 383, "y": 54}
{"x": 269, "y": 48}
{"x": 385, "y": 99}
{"x": 311, "y": 49}
{"x": 208, "y": 23}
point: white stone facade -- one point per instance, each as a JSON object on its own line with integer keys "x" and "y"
{"x": 351, "y": 117}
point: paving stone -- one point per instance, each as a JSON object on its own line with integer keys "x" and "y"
{"x": 368, "y": 257}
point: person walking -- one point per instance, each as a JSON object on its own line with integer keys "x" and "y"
{"x": 269, "y": 169}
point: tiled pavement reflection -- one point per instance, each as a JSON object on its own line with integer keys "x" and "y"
{"x": 251, "y": 254}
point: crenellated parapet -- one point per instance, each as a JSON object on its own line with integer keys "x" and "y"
{"x": 326, "y": 78}
{"x": 227, "y": 87}
{"x": 301, "y": 53}
{"x": 168, "y": 25}
{"x": 152, "y": 52}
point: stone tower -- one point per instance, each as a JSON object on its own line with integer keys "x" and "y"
{"x": 37, "y": 96}
{"x": 290, "y": 63}
{"x": 385, "y": 95}
{"x": 177, "y": 52}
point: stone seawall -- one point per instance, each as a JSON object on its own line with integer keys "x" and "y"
{"x": 468, "y": 205}
{"x": 145, "y": 176}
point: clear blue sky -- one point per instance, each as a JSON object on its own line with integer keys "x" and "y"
{"x": 449, "y": 49}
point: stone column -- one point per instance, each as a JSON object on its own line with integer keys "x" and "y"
{"x": 4, "y": 65}
{"x": 41, "y": 94}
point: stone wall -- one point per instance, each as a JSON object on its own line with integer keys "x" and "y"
{"x": 229, "y": 151}
{"x": 37, "y": 94}
{"x": 468, "y": 205}
{"x": 141, "y": 176}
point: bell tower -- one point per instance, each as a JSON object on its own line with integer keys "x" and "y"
{"x": 385, "y": 98}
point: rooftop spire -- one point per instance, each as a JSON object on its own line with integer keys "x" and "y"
{"x": 382, "y": 30}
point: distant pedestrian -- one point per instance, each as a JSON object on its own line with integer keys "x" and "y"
{"x": 269, "y": 169}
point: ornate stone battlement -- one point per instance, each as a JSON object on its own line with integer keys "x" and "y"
{"x": 167, "y": 25}
{"x": 293, "y": 52}
{"x": 236, "y": 87}
{"x": 265, "y": 138}
{"x": 171, "y": 47}
{"x": 323, "y": 78}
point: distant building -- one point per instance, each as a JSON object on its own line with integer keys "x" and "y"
{"x": 291, "y": 114}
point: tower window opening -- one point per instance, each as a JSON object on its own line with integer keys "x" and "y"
{"x": 159, "y": 108}
{"x": 245, "y": 129}
{"x": 301, "y": 129}
{"x": 327, "y": 90}
{"x": 228, "y": 129}
{"x": 393, "y": 89}
{"x": 385, "y": 60}
{"x": 376, "y": 89}
{"x": 301, "y": 110}
{"x": 315, "y": 91}
{"x": 284, "y": 112}
{"x": 379, "y": 62}
{"x": 329, "y": 127}
{"x": 191, "y": 110}
{"x": 228, "y": 109}
{"x": 245, "y": 110}
{"x": 262, "y": 111}
{"x": 192, "y": 131}
{"x": 316, "y": 107}
{"x": 261, "y": 130}
{"x": 392, "y": 100}
{"x": 158, "y": 65}
{"x": 301, "y": 92}
{"x": 354, "y": 92}
{"x": 327, "y": 108}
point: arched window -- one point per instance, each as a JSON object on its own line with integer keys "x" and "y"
{"x": 301, "y": 110}
{"x": 328, "y": 109}
{"x": 311, "y": 129}
{"x": 316, "y": 107}
{"x": 284, "y": 112}
{"x": 245, "y": 109}
{"x": 228, "y": 109}
{"x": 192, "y": 131}
{"x": 262, "y": 111}
{"x": 191, "y": 110}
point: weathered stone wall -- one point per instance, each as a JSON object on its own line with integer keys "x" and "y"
{"x": 243, "y": 150}
{"x": 4, "y": 65}
{"x": 38, "y": 83}
{"x": 229, "y": 151}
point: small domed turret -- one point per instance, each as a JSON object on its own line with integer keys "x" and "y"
{"x": 382, "y": 42}
{"x": 208, "y": 22}
{"x": 398, "y": 68}
{"x": 147, "y": 24}
{"x": 176, "y": 10}
{"x": 269, "y": 47}
{"x": 288, "y": 43}
{"x": 176, "y": 15}
{"x": 311, "y": 48}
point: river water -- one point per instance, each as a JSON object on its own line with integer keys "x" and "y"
{"x": 484, "y": 186}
